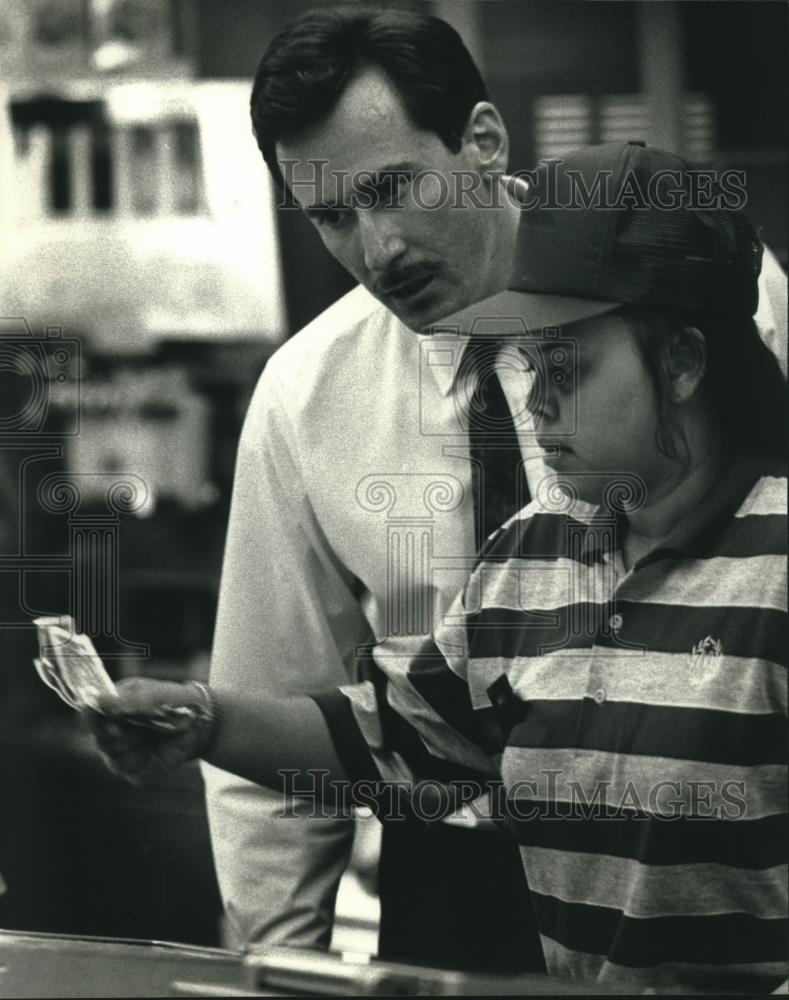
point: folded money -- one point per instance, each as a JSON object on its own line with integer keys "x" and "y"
{"x": 69, "y": 664}
{"x": 49, "y": 676}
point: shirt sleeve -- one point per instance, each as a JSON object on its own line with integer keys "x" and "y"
{"x": 288, "y": 622}
{"x": 417, "y": 722}
{"x": 771, "y": 316}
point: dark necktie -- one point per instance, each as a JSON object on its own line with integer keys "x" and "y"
{"x": 497, "y": 474}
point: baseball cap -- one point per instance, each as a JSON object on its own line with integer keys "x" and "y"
{"x": 622, "y": 223}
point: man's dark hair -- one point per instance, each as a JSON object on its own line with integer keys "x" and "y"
{"x": 742, "y": 382}
{"x": 305, "y": 69}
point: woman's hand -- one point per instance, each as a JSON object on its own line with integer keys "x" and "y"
{"x": 151, "y": 726}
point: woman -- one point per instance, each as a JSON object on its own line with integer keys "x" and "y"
{"x": 614, "y": 668}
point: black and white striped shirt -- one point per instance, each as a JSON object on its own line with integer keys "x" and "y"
{"x": 637, "y": 720}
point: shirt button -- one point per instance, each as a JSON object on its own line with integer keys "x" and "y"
{"x": 615, "y": 623}
{"x": 599, "y": 696}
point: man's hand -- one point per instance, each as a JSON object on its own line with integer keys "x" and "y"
{"x": 150, "y": 727}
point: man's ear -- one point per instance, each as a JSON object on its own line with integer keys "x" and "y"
{"x": 485, "y": 138}
{"x": 686, "y": 362}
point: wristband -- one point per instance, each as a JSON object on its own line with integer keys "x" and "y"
{"x": 207, "y": 719}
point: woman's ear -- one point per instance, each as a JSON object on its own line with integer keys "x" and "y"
{"x": 686, "y": 362}
{"x": 485, "y": 138}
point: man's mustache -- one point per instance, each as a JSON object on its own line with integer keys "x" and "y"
{"x": 393, "y": 280}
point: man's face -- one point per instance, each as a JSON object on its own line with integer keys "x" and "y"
{"x": 603, "y": 416}
{"x": 403, "y": 240}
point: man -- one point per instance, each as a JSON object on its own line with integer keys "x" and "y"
{"x": 353, "y": 423}
{"x": 307, "y": 580}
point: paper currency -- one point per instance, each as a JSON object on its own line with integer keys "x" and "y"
{"x": 69, "y": 664}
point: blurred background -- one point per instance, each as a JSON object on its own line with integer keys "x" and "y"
{"x": 145, "y": 278}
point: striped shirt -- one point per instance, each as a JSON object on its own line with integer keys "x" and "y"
{"x": 637, "y": 721}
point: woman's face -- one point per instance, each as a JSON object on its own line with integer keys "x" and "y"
{"x": 595, "y": 408}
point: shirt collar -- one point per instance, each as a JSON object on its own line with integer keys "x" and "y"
{"x": 449, "y": 347}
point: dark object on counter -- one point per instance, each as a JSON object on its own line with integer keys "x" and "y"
{"x": 310, "y": 973}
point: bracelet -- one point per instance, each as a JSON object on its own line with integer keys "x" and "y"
{"x": 207, "y": 719}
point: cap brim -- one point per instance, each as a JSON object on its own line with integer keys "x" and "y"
{"x": 534, "y": 310}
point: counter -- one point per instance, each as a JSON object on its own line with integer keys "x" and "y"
{"x": 48, "y": 965}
